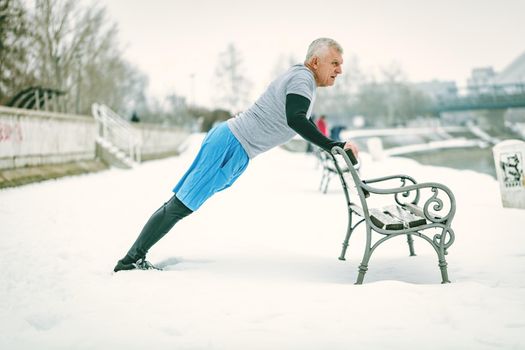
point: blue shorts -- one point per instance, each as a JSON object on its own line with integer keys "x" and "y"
{"x": 220, "y": 161}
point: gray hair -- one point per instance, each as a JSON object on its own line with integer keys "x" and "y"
{"x": 321, "y": 45}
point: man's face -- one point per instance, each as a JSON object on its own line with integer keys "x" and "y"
{"x": 327, "y": 67}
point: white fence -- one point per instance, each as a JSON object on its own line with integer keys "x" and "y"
{"x": 115, "y": 131}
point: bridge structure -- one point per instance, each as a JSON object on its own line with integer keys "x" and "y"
{"x": 486, "y": 97}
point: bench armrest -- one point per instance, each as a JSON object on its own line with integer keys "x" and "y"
{"x": 390, "y": 177}
{"x": 401, "y": 177}
{"x": 440, "y": 199}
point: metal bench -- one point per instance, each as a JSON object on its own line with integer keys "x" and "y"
{"x": 424, "y": 210}
{"x": 329, "y": 170}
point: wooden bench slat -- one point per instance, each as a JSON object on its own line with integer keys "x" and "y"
{"x": 392, "y": 217}
{"x": 414, "y": 209}
{"x": 357, "y": 209}
{"x": 405, "y": 216}
{"x": 382, "y": 220}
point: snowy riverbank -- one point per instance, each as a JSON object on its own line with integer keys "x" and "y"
{"x": 255, "y": 268}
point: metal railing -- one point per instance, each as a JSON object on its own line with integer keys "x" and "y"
{"x": 115, "y": 131}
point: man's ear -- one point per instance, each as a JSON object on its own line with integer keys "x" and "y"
{"x": 315, "y": 62}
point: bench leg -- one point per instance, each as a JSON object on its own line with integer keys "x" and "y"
{"x": 321, "y": 183}
{"x": 361, "y": 276}
{"x": 366, "y": 258}
{"x": 441, "y": 252}
{"x": 325, "y": 179}
{"x": 444, "y": 273}
{"x": 410, "y": 241}
{"x": 345, "y": 246}
{"x": 363, "y": 268}
{"x": 347, "y": 237}
{"x": 326, "y": 183}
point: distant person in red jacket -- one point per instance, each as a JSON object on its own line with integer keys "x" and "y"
{"x": 321, "y": 125}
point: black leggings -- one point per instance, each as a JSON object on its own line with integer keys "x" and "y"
{"x": 157, "y": 226}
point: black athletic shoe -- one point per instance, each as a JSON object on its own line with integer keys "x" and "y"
{"x": 141, "y": 264}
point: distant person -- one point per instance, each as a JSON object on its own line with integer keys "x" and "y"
{"x": 134, "y": 117}
{"x": 280, "y": 113}
{"x": 335, "y": 132}
{"x": 321, "y": 125}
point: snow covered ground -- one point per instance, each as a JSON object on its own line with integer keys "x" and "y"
{"x": 255, "y": 268}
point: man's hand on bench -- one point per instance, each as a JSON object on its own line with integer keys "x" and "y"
{"x": 349, "y": 145}
{"x": 352, "y": 151}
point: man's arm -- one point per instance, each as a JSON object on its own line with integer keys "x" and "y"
{"x": 312, "y": 122}
{"x": 296, "y": 109}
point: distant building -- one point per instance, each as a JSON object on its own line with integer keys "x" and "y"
{"x": 513, "y": 74}
{"x": 511, "y": 80}
{"x": 480, "y": 77}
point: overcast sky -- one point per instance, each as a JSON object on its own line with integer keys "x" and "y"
{"x": 445, "y": 39}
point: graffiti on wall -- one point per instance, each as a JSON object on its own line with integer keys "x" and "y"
{"x": 512, "y": 166}
{"x": 10, "y": 132}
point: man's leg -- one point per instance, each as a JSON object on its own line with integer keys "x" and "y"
{"x": 157, "y": 226}
{"x": 220, "y": 161}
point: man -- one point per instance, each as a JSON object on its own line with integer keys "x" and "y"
{"x": 281, "y": 112}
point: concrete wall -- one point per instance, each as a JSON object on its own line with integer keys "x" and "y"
{"x": 36, "y": 145}
{"x": 33, "y": 138}
{"x": 158, "y": 141}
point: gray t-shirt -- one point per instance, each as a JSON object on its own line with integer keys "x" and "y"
{"x": 263, "y": 125}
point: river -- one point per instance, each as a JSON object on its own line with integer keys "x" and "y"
{"x": 472, "y": 158}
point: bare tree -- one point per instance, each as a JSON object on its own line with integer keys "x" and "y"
{"x": 233, "y": 87}
{"x": 391, "y": 101}
{"x": 179, "y": 110}
{"x": 76, "y": 50}
{"x": 65, "y": 38}
{"x": 14, "y": 36}
{"x": 394, "y": 77}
